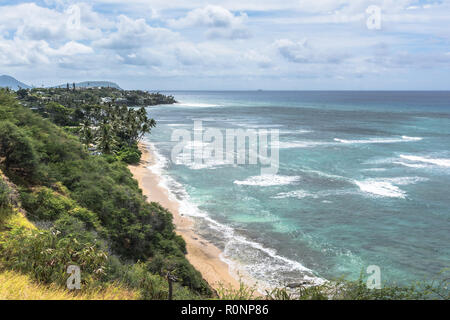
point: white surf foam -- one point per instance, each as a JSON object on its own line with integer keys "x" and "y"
{"x": 177, "y": 125}
{"x": 441, "y": 162}
{"x": 380, "y": 188}
{"x": 250, "y": 125}
{"x": 378, "y": 140}
{"x": 387, "y": 187}
{"x": 268, "y": 180}
{"x": 325, "y": 174}
{"x": 374, "y": 169}
{"x": 410, "y": 165}
{"x": 412, "y": 138}
{"x": 194, "y": 144}
{"x": 197, "y": 105}
{"x": 178, "y": 193}
{"x": 300, "y": 144}
{"x": 299, "y": 194}
{"x": 403, "y": 181}
{"x": 298, "y": 131}
{"x": 337, "y": 141}
{"x": 205, "y": 163}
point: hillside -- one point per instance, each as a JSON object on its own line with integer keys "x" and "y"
{"x": 12, "y": 83}
{"x": 17, "y": 286}
{"x": 85, "y": 210}
{"x": 92, "y": 84}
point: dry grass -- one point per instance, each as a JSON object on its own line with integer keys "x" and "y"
{"x": 17, "y": 218}
{"x": 16, "y": 286}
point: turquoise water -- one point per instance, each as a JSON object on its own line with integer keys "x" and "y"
{"x": 364, "y": 179}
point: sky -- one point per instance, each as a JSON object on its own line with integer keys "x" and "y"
{"x": 229, "y": 44}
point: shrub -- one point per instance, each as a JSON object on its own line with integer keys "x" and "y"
{"x": 182, "y": 269}
{"x": 130, "y": 155}
{"x": 243, "y": 293}
{"x": 45, "y": 255}
{"x": 357, "y": 290}
{"x": 17, "y": 149}
{"x": 4, "y": 194}
{"x": 152, "y": 287}
{"x": 58, "y": 114}
{"x": 46, "y": 204}
{"x": 70, "y": 226}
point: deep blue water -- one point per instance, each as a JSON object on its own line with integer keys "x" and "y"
{"x": 364, "y": 179}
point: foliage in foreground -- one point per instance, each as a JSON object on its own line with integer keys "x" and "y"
{"x": 45, "y": 255}
{"x": 17, "y": 286}
{"x": 438, "y": 289}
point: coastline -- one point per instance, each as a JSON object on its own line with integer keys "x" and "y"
{"x": 203, "y": 255}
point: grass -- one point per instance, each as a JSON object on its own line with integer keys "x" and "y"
{"x": 16, "y": 286}
{"x": 15, "y": 217}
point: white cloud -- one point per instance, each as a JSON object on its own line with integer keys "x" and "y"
{"x": 353, "y": 6}
{"x": 133, "y": 34}
{"x": 70, "y": 49}
{"x": 141, "y": 57}
{"x": 263, "y": 61}
{"x": 30, "y": 21}
{"x": 160, "y": 39}
{"x": 220, "y": 22}
{"x": 25, "y": 52}
{"x": 188, "y": 54}
{"x": 302, "y": 52}
{"x": 206, "y": 54}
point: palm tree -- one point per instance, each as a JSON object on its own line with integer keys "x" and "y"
{"x": 86, "y": 134}
{"x": 106, "y": 140}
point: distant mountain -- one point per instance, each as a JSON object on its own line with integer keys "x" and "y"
{"x": 10, "y": 82}
{"x": 92, "y": 84}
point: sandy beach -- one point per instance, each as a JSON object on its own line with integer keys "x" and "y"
{"x": 203, "y": 255}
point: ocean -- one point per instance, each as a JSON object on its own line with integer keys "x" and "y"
{"x": 363, "y": 179}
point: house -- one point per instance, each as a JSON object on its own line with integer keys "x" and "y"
{"x": 121, "y": 101}
{"x": 106, "y": 100}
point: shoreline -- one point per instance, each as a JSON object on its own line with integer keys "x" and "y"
{"x": 203, "y": 255}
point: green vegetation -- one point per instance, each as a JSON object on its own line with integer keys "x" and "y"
{"x": 22, "y": 250}
{"x": 341, "y": 289}
{"x": 5, "y": 201}
{"x": 89, "y": 210}
{"x": 17, "y": 150}
{"x": 105, "y": 119}
{"x": 73, "y": 98}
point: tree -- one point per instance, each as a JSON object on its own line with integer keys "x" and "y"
{"x": 59, "y": 114}
{"x": 86, "y": 134}
{"x": 106, "y": 139}
{"x": 146, "y": 124}
{"x": 22, "y": 93}
{"x": 17, "y": 150}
